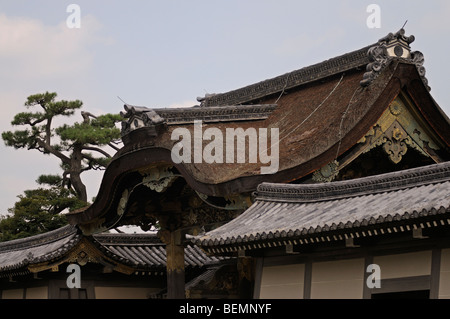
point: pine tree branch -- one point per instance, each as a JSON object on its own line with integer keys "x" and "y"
{"x": 51, "y": 150}
{"x": 93, "y": 163}
{"x": 96, "y": 149}
{"x": 48, "y": 131}
{"x": 113, "y": 147}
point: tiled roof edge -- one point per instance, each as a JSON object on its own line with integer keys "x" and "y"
{"x": 342, "y": 63}
{"x": 276, "y": 235}
{"x": 127, "y": 239}
{"x": 37, "y": 240}
{"x": 216, "y": 114}
{"x": 194, "y": 257}
{"x": 414, "y": 177}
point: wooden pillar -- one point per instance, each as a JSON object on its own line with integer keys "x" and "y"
{"x": 246, "y": 271}
{"x": 175, "y": 263}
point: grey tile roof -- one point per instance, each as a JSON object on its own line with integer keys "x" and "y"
{"x": 148, "y": 252}
{"x": 141, "y": 251}
{"x": 282, "y": 211}
{"x": 17, "y": 254}
{"x": 208, "y": 115}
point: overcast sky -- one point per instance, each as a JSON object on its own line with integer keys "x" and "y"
{"x": 167, "y": 53}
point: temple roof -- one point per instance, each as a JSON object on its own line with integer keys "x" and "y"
{"x": 374, "y": 205}
{"x": 147, "y": 251}
{"x": 352, "y": 60}
{"x": 17, "y": 255}
{"x": 348, "y": 61}
{"x": 140, "y": 252}
{"x": 320, "y": 111}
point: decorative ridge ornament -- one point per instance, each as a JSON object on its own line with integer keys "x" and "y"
{"x": 392, "y": 46}
{"x": 326, "y": 173}
{"x": 302, "y": 193}
{"x": 137, "y": 117}
{"x": 399, "y": 36}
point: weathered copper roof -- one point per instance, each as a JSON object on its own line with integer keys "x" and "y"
{"x": 310, "y": 213}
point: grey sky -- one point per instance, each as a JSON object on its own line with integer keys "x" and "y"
{"x": 166, "y": 53}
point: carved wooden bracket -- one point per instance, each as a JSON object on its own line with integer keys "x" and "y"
{"x": 395, "y": 142}
{"x": 158, "y": 178}
{"x": 398, "y": 129}
{"x": 84, "y": 252}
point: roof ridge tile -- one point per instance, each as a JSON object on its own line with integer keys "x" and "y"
{"x": 387, "y": 182}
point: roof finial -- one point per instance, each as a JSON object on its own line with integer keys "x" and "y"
{"x": 405, "y": 23}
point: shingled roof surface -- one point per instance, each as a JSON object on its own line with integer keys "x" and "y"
{"x": 309, "y": 119}
{"x": 289, "y": 80}
{"x": 284, "y": 211}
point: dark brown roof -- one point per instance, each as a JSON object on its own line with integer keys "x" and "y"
{"x": 308, "y": 213}
{"x": 373, "y": 58}
{"x": 247, "y": 94}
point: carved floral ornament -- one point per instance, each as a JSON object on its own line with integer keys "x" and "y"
{"x": 158, "y": 178}
{"x": 82, "y": 254}
{"x": 396, "y": 131}
{"x": 326, "y": 173}
{"x": 395, "y": 142}
{"x": 201, "y": 210}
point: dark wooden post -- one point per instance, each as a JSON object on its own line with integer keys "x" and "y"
{"x": 246, "y": 271}
{"x": 175, "y": 263}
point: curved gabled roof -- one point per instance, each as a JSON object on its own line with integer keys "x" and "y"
{"x": 321, "y": 112}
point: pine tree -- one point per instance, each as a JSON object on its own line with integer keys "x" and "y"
{"x": 75, "y": 145}
{"x": 38, "y": 210}
{"x": 81, "y": 147}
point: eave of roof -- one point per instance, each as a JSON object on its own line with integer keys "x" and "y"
{"x": 147, "y": 252}
{"x": 316, "y": 213}
{"x": 143, "y": 252}
{"x": 19, "y": 253}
